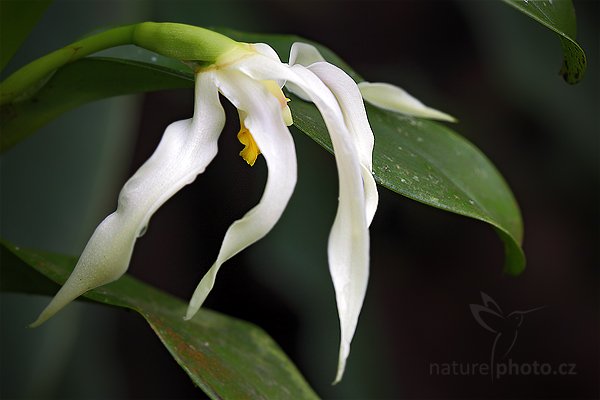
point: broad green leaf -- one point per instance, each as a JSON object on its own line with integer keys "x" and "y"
{"x": 17, "y": 19}
{"x": 559, "y": 16}
{"x": 227, "y": 358}
{"x": 430, "y": 163}
{"x": 419, "y": 159}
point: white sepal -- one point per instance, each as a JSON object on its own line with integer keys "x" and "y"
{"x": 393, "y": 98}
{"x": 263, "y": 117}
{"x": 184, "y": 151}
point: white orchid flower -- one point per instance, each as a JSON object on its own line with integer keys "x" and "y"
{"x": 249, "y": 76}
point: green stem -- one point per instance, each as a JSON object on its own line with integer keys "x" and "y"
{"x": 183, "y": 42}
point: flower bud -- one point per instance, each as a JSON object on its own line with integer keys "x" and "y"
{"x": 182, "y": 42}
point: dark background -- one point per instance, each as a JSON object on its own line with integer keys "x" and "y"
{"x": 484, "y": 62}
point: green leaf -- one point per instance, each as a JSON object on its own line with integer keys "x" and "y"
{"x": 559, "y": 16}
{"x": 227, "y": 358}
{"x": 17, "y": 19}
{"x": 419, "y": 159}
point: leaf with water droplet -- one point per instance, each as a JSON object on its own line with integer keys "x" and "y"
{"x": 452, "y": 165}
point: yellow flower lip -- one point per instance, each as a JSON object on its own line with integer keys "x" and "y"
{"x": 237, "y": 54}
{"x": 251, "y": 151}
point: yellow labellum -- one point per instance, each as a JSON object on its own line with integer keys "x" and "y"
{"x": 251, "y": 151}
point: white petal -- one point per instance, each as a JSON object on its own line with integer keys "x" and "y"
{"x": 265, "y": 121}
{"x": 350, "y": 100}
{"x": 348, "y": 247}
{"x": 304, "y": 54}
{"x": 261, "y": 68}
{"x": 184, "y": 151}
{"x": 266, "y": 50}
{"x": 393, "y": 98}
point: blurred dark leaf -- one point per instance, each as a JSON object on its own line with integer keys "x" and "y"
{"x": 227, "y": 358}
{"x": 559, "y": 16}
{"x": 17, "y": 19}
{"x": 81, "y": 82}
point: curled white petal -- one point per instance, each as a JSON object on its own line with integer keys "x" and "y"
{"x": 348, "y": 246}
{"x": 184, "y": 151}
{"x": 267, "y": 51}
{"x": 355, "y": 116}
{"x": 392, "y": 98}
{"x": 304, "y": 54}
{"x": 265, "y": 121}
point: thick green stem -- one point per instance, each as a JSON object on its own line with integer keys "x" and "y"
{"x": 183, "y": 42}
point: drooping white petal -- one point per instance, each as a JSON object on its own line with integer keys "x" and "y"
{"x": 184, "y": 151}
{"x": 265, "y": 121}
{"x": 348, "y": 246}
{"x": 392, "y": 98}
{"x": 350, "y": 100}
